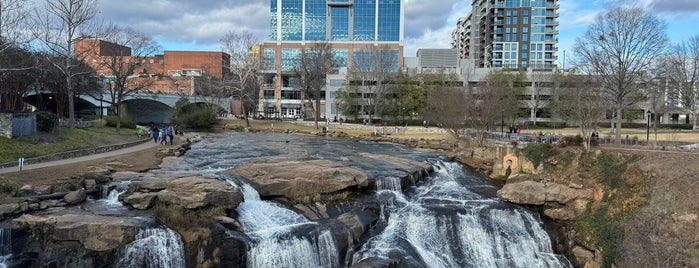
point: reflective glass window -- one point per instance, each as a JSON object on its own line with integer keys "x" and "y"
{"x": 315, "y": 20}
{"x": 364, "y": 20}
{"x": 389, "y": 20}
{"x": 290, "y": 58}
{"x": 292, "y": 20}
{"x": 268, "y": 55}
{"x": 339, "y": 24}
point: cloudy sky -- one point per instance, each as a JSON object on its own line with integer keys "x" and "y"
{"x": 199, "y": 24}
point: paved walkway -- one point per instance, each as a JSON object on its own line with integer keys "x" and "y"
{"x": 139, "y": 147}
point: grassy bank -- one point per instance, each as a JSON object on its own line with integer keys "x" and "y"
{"x": 62, "y": 140}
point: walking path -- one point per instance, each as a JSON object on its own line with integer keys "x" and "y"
{"x": 136, "y": 148}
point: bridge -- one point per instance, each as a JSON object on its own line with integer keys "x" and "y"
{"x": 142, "y": 107}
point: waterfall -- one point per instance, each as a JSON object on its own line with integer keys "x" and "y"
{"x": 154, "y": 247}
{"x": 5, "y": 246}
{"x": 283, "y": 238}
{"x": 112, "y": 198}
{"x": 448, "y": 223}
{"x": 388, "y": 183}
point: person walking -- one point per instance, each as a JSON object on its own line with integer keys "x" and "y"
{"x": 171, "y": 133}
{"x": 156, "y": 134}
{"x": 163, "y": 136}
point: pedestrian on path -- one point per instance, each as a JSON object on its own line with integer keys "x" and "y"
{"x": 171, "y": 133}
{"x": 156, "y": 134}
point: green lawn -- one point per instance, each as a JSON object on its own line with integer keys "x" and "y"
{"x": 62, "y": 140}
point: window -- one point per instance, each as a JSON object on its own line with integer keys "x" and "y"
{"x": 525, "y": 37}
{"x": 524, "y": 55}
{"x": 507, "y": 46}
{"x": 525, "y": 46}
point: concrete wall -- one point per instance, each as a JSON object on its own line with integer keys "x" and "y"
{"x": 6, "y": 125}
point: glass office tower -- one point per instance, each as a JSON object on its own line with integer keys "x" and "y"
{"x": 354, "y": 28}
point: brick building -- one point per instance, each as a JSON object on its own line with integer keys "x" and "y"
{"x": 171, "y": 72}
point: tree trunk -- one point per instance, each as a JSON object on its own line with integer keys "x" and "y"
{"x": 317, "y": 108}
{"x": 617, "y": 120}
{"x": 71, "y": 102}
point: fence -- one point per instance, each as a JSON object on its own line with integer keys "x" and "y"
{"x": 15, "y": 125}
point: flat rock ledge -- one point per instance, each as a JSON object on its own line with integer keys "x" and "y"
{"x": 187, "y": 191}
{"x": 298, "y": 179}
{"x": 97, "y": 233}
{"x": 528, "y": 192}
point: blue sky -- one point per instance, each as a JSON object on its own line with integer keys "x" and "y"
{"x": 198, "y": 25}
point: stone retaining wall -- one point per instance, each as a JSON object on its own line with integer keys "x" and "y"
{"x": 73, "y": 154}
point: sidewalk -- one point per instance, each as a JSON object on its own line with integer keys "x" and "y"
{"x": 126, "y": 150}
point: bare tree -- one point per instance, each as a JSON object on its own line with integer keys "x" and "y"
{"x": 242, "y": 81}
{"x": 13, "y": 17}
{"x": 15, "y": 84}
{"x": 373, "y": 71}
{"x": 315, "y": 64}
{"x": 580, "y": 101}
{"x": 447, "y": 107}
{"x": 540, "y": 92}
{"x": 58, "y": 24}
{"x": 681, "y": 67}
{"x": 491, "y": 101}
{"x": 122, "y": 60}
{"x": 618, "y": 48}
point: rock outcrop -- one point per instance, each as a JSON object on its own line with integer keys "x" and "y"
{"x": 190, "y": 192}
{"x": 298, "y": 180}
{"x": 527, "y": 192}
{"x": 96, "y": 233}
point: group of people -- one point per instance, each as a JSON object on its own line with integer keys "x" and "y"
{"x": 163, "y": 135}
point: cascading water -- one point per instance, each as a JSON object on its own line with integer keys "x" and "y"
{"x": 5, "y": 246}
{"x": 450, "y": 223}
{"x": 283, "y": 238}
{"x": 154, "y": 247}
{"x": 388, "y": 183}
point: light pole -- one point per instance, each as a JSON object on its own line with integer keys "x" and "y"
{"x": 101, "y": 98}
{"x": 648, "y": 127}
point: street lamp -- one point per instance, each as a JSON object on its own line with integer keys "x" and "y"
{"x": 101, "y": 98}
{"x": 648, "y": 127}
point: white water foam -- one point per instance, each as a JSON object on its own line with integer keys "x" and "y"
{"x": 5, "y": 247}
{"x": 154, "y": 247}
{"x": 388, "y": 184}
{"x": 447, "y": 225}
{"x": 276, "y": 240}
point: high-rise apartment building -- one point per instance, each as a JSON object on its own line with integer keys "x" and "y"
{"x": 353, "y": 28}
{"x": 509, "y": 33}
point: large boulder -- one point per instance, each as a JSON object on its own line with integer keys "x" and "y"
{"x": 187, "y": 191}
{"x": 297, "y": 179}
{"x": 96, "y": 233}
{"x": 194, "y": 192}
{"x": 538, "y": 193}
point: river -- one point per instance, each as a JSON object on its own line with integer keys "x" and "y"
{"x": 452, "y": 218}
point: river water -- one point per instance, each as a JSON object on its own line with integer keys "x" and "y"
{"x": 451, "y": 219}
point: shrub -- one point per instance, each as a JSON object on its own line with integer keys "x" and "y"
{"x": 46, "y": 122}
{"x": 576, "y": 140}
{"x": 677, "y": 126}
{"x": 193, "y": 116}
{"x": 536, "y": 153}
{"x": 125, "y": 122}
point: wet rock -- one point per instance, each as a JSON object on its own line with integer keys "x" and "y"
{"x": 298, "y": 180}
{"x": 139, "y": 200}
{"x": 75, "y": 197}
{"x": 97, "y": 233}
{"x": 8, "y": 209}
{"x": 30, "y": 190}
{"x": 188, "y": 191}
{"x": 195, "y": 192}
